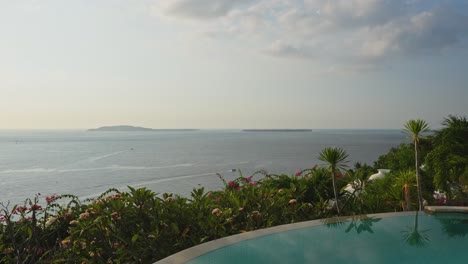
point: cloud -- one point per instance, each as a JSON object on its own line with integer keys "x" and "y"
{"x": 341, "y": 31}
{"x": 426, "y": 32}
{"x": 281, "y": 49}
{"x": 351, "y": 13}
{"x": 197, "y": 9}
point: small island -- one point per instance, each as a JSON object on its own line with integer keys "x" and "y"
{"x": 277, "y": 130}
{"x": 125, "y": 128}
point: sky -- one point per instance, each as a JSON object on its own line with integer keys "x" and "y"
{"x": 215, "y": 64}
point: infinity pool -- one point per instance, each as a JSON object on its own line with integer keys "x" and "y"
{"x": 383, "y": 238}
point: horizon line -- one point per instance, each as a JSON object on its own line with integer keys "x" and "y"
{"x": 267, "y": 128}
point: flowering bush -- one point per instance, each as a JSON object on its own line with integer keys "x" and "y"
{"x": 140, "y": 226}
{"x": 29, "y": 233}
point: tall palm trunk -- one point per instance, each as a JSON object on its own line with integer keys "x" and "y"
{"x": 335, "y": 190}
{"x": 415, "y": 128}
{"x": 418, "y": 177}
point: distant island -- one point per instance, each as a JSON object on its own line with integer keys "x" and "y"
{"x": 277, "y": 130}
{"x": 134, "y": 128}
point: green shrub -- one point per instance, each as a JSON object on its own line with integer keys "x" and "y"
{"x": 140, "y": 226}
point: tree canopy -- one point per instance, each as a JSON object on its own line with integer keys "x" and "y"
{"x": 448, "y": 159}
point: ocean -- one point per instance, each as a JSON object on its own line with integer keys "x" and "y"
{"x": 88, "y": 163}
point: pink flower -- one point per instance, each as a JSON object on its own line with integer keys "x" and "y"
{"x": 238, "y": 188}
{"x": 50, "y": 198}
{"x": 232, "y": 184}
{"x": 441, "y": 201}
{"x": 2, "y": 218}
{"x": 254, "y": 183}
{"x": 248, "y": 179}
{"x": 35, "y": 207}
{"x": 19, "y": 209}
{"x": 298, "y": 174}
{"x": 84, "y": 215}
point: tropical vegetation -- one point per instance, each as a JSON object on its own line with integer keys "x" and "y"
{"x": 140, "y": 226}
{"x": 448, "y": 160}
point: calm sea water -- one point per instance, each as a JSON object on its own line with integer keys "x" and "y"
{"x": 88, "y": 163}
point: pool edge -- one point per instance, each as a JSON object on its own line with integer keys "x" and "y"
{"x": 446, "y": 209}
{"x": 199, "y": 250}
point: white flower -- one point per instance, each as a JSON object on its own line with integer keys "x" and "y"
{"x": 50, "y": 221}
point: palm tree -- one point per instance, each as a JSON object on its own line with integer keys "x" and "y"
{"x": 404, "y": 179}
{"x": 415, "y": 128}
{"x": 335, "y": 157}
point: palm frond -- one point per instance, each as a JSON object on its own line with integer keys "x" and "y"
{"x": 335, "y": 157}
{"x": 415, "y": 128}
{"x": 453, "y": 121}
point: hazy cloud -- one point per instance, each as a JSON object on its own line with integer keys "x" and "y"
{"x": 281, "y": 49}
{"x": 340, "y": 31}
{"x": 428, "y": 31}
{"x": 198, "y": 9}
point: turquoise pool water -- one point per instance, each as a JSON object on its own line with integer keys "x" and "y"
{"x": 440, "y": 238}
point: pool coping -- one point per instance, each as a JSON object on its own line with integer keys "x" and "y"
{"x": 446, "y": 209}
{"x": 198, "y": 250}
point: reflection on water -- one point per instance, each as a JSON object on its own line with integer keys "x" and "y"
{"x": 402, "y": 238}
{"x": 453, "y": 225}
{"x": 415, "y": 237}
{"x": 358, "y": 223}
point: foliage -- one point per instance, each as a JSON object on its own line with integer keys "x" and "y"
{"x": 385, "y": 194}
{"x": 335, "y": 159}
{"x": 29, "y": 233}
{"x": 140, "y": 226}
{"x": 397, "y": 158}
{"x": 401, "y": 157}
{"x": 448, "y": 160}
